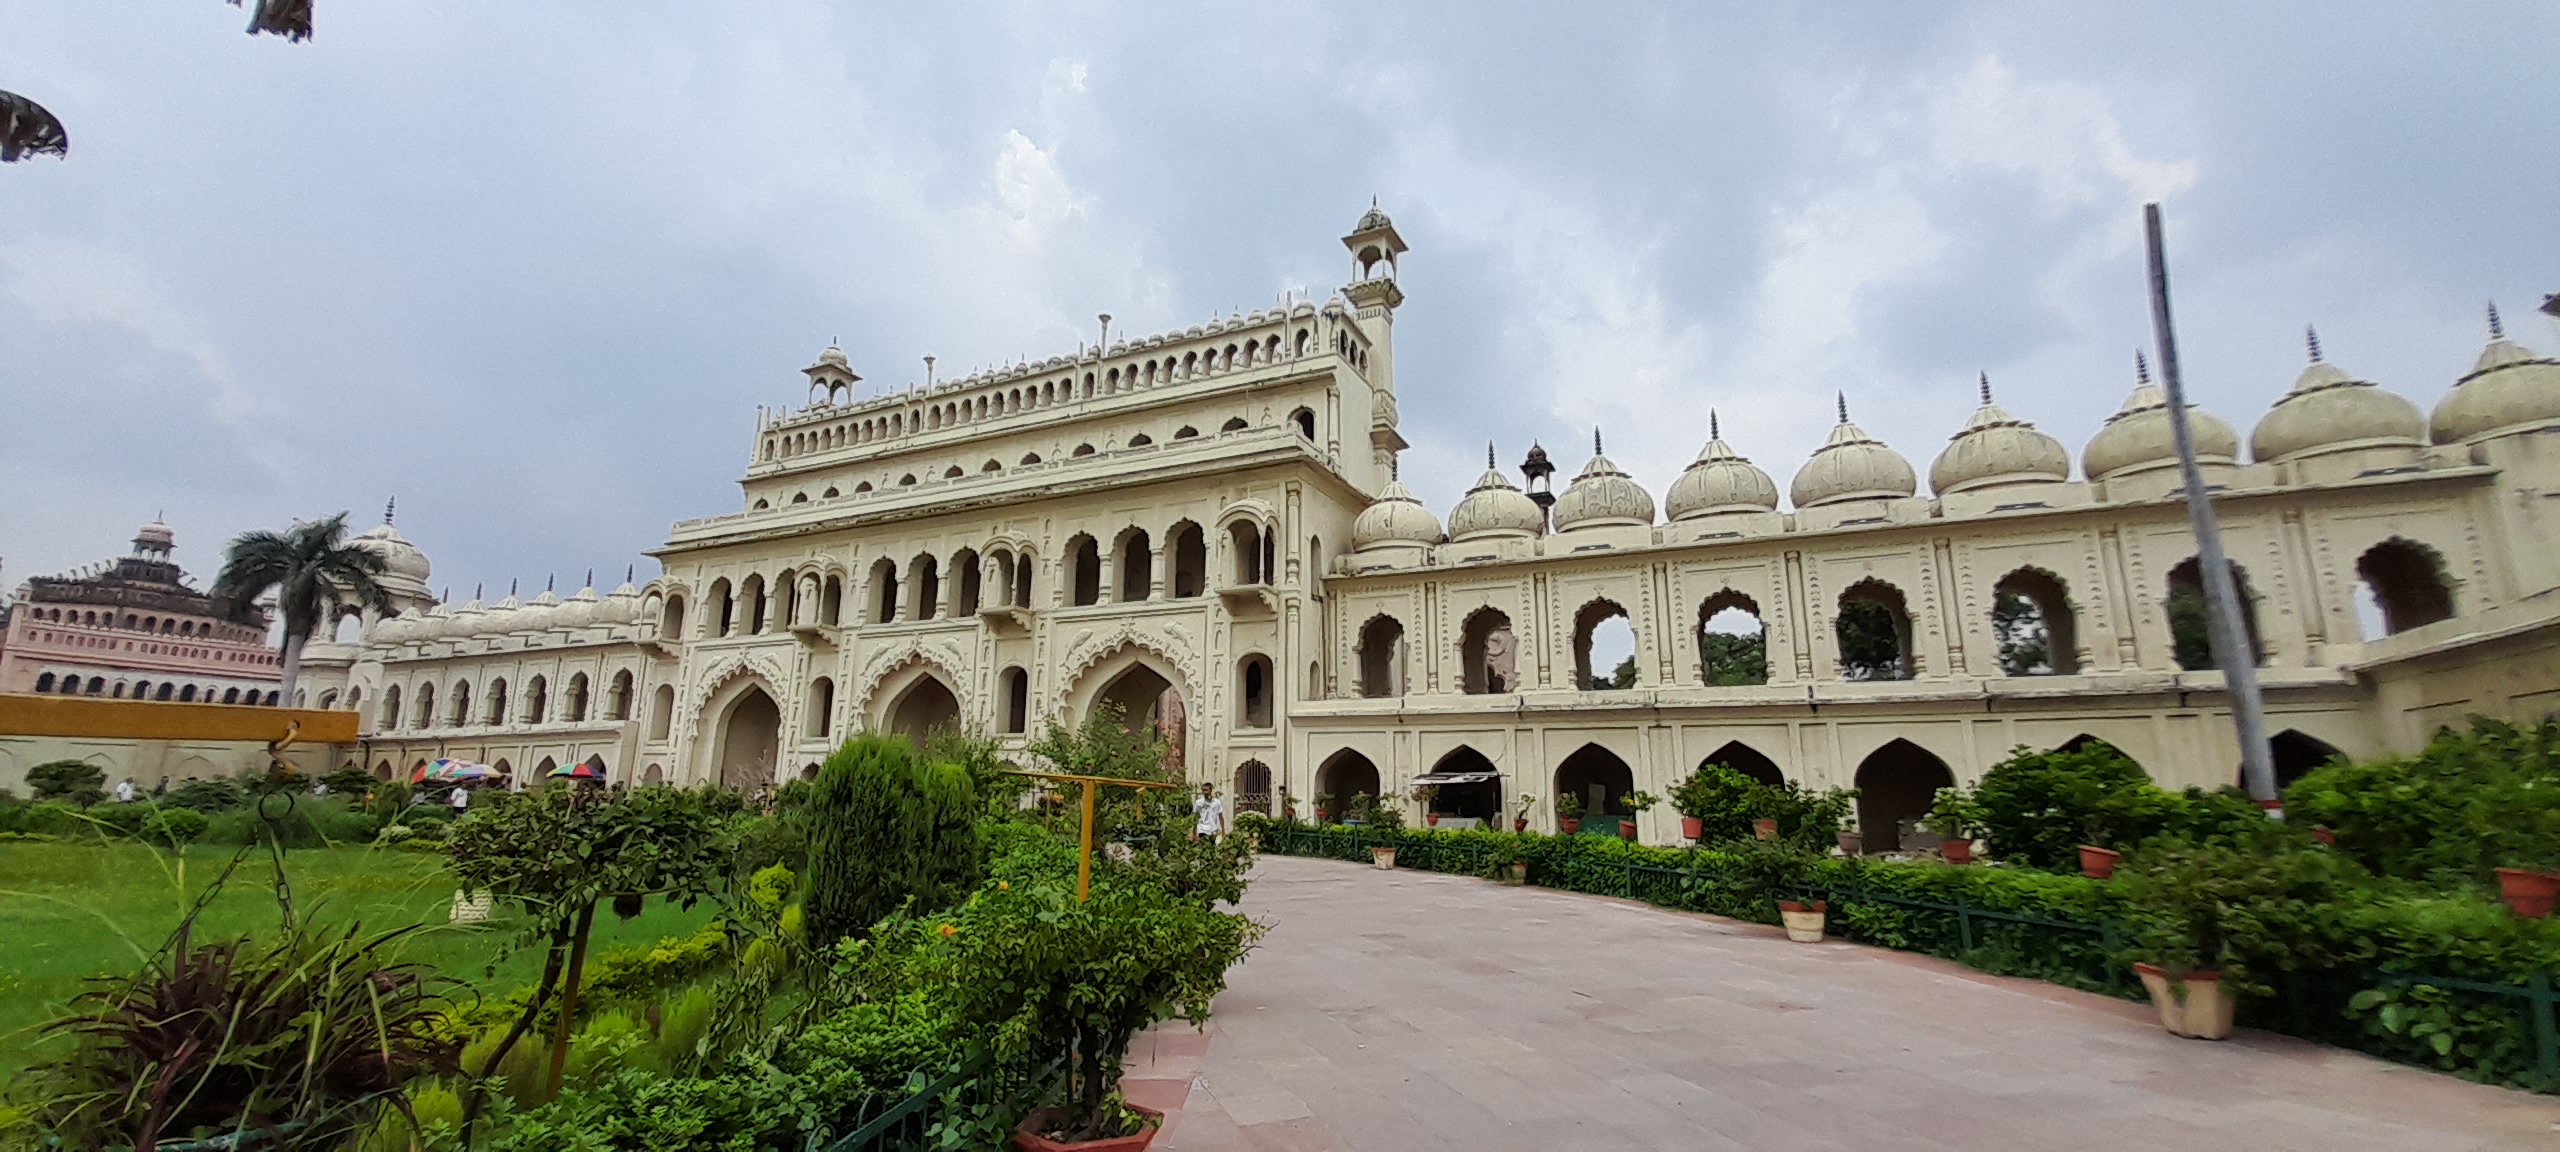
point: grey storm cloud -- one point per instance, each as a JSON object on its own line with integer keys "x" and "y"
{"x": 532, "y": 268}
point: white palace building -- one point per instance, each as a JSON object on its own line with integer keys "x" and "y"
{"x": 1205, "y": 527}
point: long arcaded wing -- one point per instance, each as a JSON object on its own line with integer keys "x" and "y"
{"x": 26, "y": 129}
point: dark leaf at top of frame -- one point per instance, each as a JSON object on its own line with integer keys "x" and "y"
{"x": 26, "y": 129}
{"x": 290, "y": 19}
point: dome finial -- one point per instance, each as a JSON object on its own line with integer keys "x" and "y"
{"x": 2311, "y": 337}
{"x": 1844, "y": 406}
{"x": 550, "y": 581}
{"x": 2497, "y": 331}
{"x": 1986, "y": 389}
{"x": 627, "y": 571}
{"x": 1488, "y": 456}
{"x": 591, "y": 577}
{"x": 1595, "y": 441}
{"x": 1712, "y": 432}
{"x": 1395, "y": 468}
{"x": 394, "y": 502}
{"x": 2141, "y": 368}
{"x": 511, "y": 587}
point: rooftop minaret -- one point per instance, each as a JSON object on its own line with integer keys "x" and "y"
{"x": 1374, "y": 296}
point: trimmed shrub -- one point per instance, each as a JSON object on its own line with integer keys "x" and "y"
{"x": 76, "y": 781}
{"x": 885, "y": 828}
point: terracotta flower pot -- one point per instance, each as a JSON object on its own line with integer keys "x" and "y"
{"x": 1519, "y": 823}
{"x": 1431, "y": 819}
{"x": 2198, "y": 1007}
{"x": 1765, "y": 829}
{"x": 2528, "y": 894}
{"x": 1515, "y": 875}
{"x": 1693, "y": 827}
{"x": 1956, "y": 851}
{"x": 1383, "y": 859}
{"x": 1027, "y": 1137}
{"x": 1851, "y": 843}
{"x": 2323, "y": 835}
{"x": 1803, "y": 921}
{"x": 2098, "y": 863}
{"x": 1568, "y": 824}
{"x": 1626, "y": 829}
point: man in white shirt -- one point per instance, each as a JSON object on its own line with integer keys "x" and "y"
{"x": 1208, "y": 813}
{"x": 124, "y": 791}
{"x": 461, "y": 799}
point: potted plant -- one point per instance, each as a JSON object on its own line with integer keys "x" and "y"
{"x": 2528, "y": 840}
{"x": 1422, "y": 798}
{"x": 1325, "y": 808}
{"x": 1568, "y": 813}
{"x": 1764, "y": 828}
{"x": 1956, "y": 819}
{"x": 1715, "y": 803}
{"x": 2098, "y": 863}
{"x": 1852, "y": 843}
{"x": 1637, "y": 804}
{"x": 1508, "y": 862}
{"x": 2207, "y": 922}
{"x": 1520, "y": 813}
{"x": 1803, "y": 920}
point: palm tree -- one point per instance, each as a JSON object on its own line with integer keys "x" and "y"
{"x": 307, "y": 566}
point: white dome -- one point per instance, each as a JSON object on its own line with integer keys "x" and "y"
{"x": 442, "y": 623}
{"x": 400, "y": 629}
{"x": 622, "y": 607}
{"x": 155, "y": 535}
{"x": 2328, "y": 410}
{"x": 1995, "y": 449}
{"x": 2138, "y": 436}
{"x": 1719, "y": 480}
{"x": 1851, "y": 465}
{"x": 1494, "y": 508}
{"x": 399, "y": 557}
{"x": 1602, "y": 496}
{"x": 2510, "y": 386}
{"x": 1395, "y": 517}
{"x": 577, "y": 611}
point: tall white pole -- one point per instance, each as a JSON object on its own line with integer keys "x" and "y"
{"x": 2232, "y": 650}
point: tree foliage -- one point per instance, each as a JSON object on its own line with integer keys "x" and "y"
{"x": 307, "y": 566}
{"x": 1870, "y": 642}
{"x": 1733, "y": 660}
{"x": 77, "y": 781}
{"x": 2470, "y": 802}
{"x": 2022, "y": 636}
{"x": 886, "y": 826}
{"x": 2038, "y": 808}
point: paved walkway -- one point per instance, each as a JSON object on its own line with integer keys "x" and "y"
{"x": 1406, "y": 1011}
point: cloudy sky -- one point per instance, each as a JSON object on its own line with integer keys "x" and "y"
{"x": 531, "y": 267}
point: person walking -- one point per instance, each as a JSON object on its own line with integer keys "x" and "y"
{"x": 1208, "y": 813}
{"x": 124, "y": 791}
{"x": 461, "y": 799}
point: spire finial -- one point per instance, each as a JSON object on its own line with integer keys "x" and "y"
{"x": 1713, "y": 433}
{"x": 2141, "y": 368}
{"x": 2311, "y": 338}
{"x": 1595, "y": 440}
{"x": 477, "y": 589}
{"x": 1488, "y": 455}
{"x": 550, "y": 581}
{"x": 591, "y": 577}
{"x": 627, "y": 570}
{"x": 1986, "y": 389}
{"x": 1844, "y": 406}
{"x": 387, "y": 507}
{"x": 1395, "y": 468}
{"x": 511, "y": 587}
{"x": 2497, "y": 331}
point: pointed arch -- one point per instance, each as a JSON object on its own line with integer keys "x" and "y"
{"x": 1604, "y": 623}
{"x": 1488, "y": 653}
{"x": 1470, "y": 786}
{"x": 1747, "y": 760}
{"x": 1896, "y": 784}
{"x": 2032, "y": 624}
{"x": 1732, "y": 640}
{"x": 2190, "y": 634}
{"x": 2407, "y": 583}
{"x": 1600, "y": 780}
{"x": 1345, "y": 774}
{"x": 1873, "y": 629}
{"x": 1382, "y": 657}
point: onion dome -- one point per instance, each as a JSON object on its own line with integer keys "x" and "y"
{"x": 1994, "y": 449}
{"x": 1851, "y": 465}
{"x": 399, "y": 557}
{"x": 2329, "y": 410}
{"x": 579, "y": 610}
{"x": 154, "y": 537}
{"x": 1602, "y": 496}
{"x": 833, "y": 357}
{"x": 1494, "y": 508}
{"x": 2510, "y": 386}
{"x": 1719, "y": 480}
{"x": 622, "y": 606}
{"x": 463, "y": 621}
{"x": 1396, "y": 517}
{"x": 400, "y": 629}
{"x": 1373, "y": 219}
{"x": 2137, "y": 437}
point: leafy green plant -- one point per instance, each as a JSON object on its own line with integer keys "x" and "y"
{"x": 1954, "y": 815}
{"x": 886, "y": 827}
{"x": 2038, "y": 808}
{"x": 1639, "y": 802}
{"x": 1568, "y": 806}
{"x": 2471, "y": 801}
{"x": 75, "y": 781}
{"x": 2246, "y": 915}
{"x": 1720, "y": 798}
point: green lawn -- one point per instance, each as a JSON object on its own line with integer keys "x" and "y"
{"x": 70, "y": 911}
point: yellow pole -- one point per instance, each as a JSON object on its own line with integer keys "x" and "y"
{"x": 1084, "y": 859}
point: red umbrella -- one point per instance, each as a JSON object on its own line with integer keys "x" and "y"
{"x": 581, "y": 770}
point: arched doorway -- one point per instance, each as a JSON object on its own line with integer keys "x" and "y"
{"x": 1253, "y": 787}
{"x": 1144, "y": 699}
{"x": 2296, "y": 754}
{"x": 1470, "y": 787}
{"x": 1896, "y": 785}
{"x": 926, "y": 707}
{"x": 1343, "y": 775}
{"x": 1747, "y": 760}
{"x": 1595, "y": 776}
{"x": 750, "y": 734}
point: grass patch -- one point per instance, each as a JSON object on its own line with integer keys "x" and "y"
{"x": 71, "y": 910}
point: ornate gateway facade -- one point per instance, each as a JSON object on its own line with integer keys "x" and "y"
{"x": 1205, "y": 527}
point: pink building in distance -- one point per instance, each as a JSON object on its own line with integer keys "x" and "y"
{"x": 133, "y": 629}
